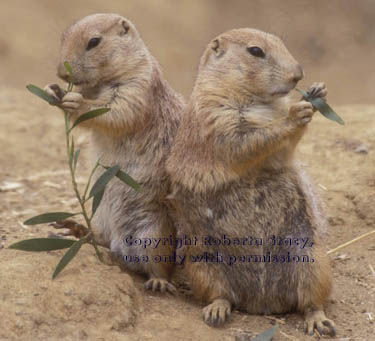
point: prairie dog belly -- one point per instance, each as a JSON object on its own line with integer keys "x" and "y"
{"x": 256, "y": 233}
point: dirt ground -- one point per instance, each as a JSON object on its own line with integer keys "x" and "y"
{"x": 92, "y": 301}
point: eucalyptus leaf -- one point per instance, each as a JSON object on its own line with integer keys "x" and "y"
{"x": 42, "y": 244}
{"x": 89, "y": 115}
{"x": 267, "y": 335}
{"x": 103, "y": 180}
{"x": 75, "y": 158}
{"x": 126, "y": 178}
{"x": 96, "y": 200}
{"x": 69, "y": 255}
{"x": 326, "y": 110}
{"x": 48, "y": 218}
{"x": 68, "y": 68}
{"x": 322, "y": 107}
{"x": 42, "y": 94}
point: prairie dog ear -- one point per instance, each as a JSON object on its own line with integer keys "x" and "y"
{"x": 125, "y": 27}
{"x": 218, "y": 47}
{"x": 215, "y": 49}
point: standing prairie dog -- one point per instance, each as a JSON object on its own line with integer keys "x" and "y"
{"x": 237, "y": 190}
{"x": 113, "y": 68}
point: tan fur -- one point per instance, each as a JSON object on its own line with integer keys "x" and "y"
{"x": 233, "y": 173}
{"x": 136, "y": 134}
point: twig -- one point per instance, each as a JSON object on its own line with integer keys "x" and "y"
{"x": 81, "y": 199}
{"x": 323, "y": 187}
{"x": 372, "y": 269}
{"x": 274, "y": 319}
{"x": 287, "y": 336}
{"x": 350, "y": 242}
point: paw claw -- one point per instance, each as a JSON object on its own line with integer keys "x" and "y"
{"x": 318, "y": 90}
{"x": 217, "y": 312}
{"x": 316, "y": 320}
{"x": 75, "y": 229}
{"x": 301, "y": 112}
{"x": 72, "y": 101}
{"x": 160, "y": 284}
{"x": 55, "y": 91}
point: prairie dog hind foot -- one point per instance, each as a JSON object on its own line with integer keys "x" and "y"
{"x": 161, "y": 285}
{"x": 317, "y": 320}
{"x": 217, "y": 313}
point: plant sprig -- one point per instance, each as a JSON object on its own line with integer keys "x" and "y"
{"x": 322, "y": 106}
{"x": 96, "y": 192}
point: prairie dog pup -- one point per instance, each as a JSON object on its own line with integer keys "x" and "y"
{"x": 113, "y": 68}
{"x": 233, "y": 177}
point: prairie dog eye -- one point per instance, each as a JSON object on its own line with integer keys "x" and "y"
{"x": 93, "y": 43}
{"x": 256, "y": 51}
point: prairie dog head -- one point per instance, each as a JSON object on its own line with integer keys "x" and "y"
{"x": 248, "y": 65}
{"x": 101, "y": 48}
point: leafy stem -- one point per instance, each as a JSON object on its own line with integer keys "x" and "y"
{"x": 96, "y": 192}
{"x": 89, "y": 181}
{"x": 81, "y": 199}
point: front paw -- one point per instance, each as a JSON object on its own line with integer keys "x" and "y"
{"x": 55, "y": 91}
{"x": 72, "y": 101}
{"x": 318, "y": 90}
{"x": 301, "y": 113}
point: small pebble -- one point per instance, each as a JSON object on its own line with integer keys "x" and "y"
{"x": 361, "y": 149}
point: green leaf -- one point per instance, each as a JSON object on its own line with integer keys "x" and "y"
{"x": 48, "y": 218}
{"x": 96, "y": 200}
{"x": 128, "y": 180}
{"x": 267, "y": 335}
{"x": 68, "y": 68}
{"x": 75, "y": 158}
{"x": 71, "y": 77}
{"x": 69, "y": 255}
{"x": 42, "y": 94}
{"x": 303, "y": 93}
{"x": 103, "y": 180}
{"x": 322, "y": 107}
{"x": 89, "y": 115}
{"x": 42, "y": 244}
{"x": 326, "y": 110}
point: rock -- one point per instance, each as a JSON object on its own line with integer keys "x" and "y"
{"x": 10, "y": 186}
{"x": 361, "y": 149}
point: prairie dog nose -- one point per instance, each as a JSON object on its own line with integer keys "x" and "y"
{"x": 297, "y": 74}
{"x": 62, "y": 72}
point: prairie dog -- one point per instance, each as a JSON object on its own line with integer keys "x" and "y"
{"x": 113, "y": 68}
{"x": 237, "y": 190}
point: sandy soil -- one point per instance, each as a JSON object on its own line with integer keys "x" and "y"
{"x": 93, "y": 301}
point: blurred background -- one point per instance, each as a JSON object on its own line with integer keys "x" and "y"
{"x": 333, "y": 40}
